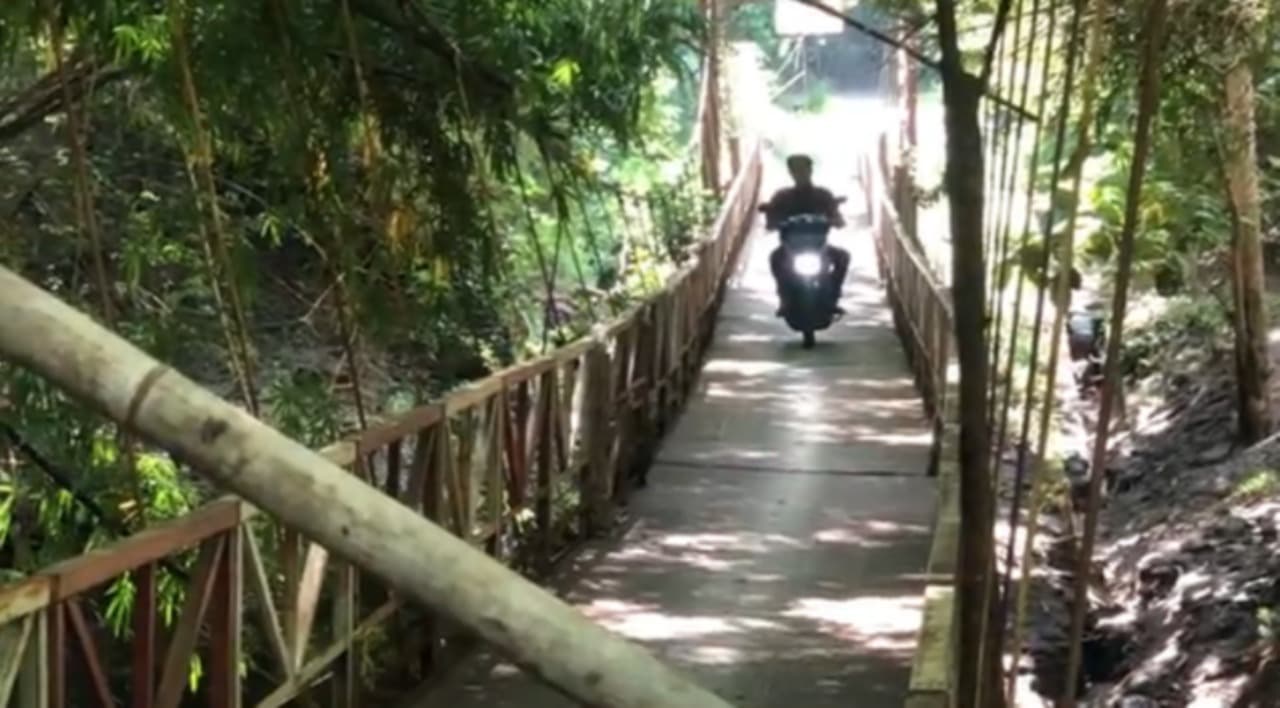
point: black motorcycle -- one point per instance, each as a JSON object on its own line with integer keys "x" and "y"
{"x": 806, "y": 301}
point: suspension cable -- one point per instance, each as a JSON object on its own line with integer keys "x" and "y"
{"x": 1028, "y": 213}
{"x": 1096, "y": 39}
{"x": 1003, "y": 180}
{"x": 1148, "y": 105}
{"x": 1059, "y": 148}
{"x": 1001, "y": 267}
{"x": 990, "y": 635}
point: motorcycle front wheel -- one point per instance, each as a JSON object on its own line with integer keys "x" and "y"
{"x": 809, "y": 339}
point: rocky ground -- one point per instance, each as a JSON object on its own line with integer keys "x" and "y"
{"x": 1187, "y": 568}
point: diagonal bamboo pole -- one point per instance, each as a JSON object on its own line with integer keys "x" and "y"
{"x": 239, "y": 453}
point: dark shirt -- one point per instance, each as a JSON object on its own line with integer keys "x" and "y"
{"x": 790, "y": 201}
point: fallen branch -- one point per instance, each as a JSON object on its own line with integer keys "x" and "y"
{"x": 44, "y": 97}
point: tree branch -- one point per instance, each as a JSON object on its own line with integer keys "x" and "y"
{"x": 430, "y": 37}
{"x": 997, "y": 31}
{"x": 25, "y": 109}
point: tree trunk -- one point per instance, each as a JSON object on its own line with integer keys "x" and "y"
{"x": 964, "y": 185}
{"x": 965, "y": 197}
{"x": 1253, "y": 364}
{"x": 308, "y": 493}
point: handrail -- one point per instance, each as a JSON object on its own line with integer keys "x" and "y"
{"x": 923, "y": 316}
{"x": 483, "y": 461}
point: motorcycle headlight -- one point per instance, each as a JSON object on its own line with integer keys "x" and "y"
{"x": 807, "y": 264}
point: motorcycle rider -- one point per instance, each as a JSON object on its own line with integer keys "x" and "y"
{"x": 804, "y": 197}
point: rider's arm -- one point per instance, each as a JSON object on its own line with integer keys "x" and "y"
{"x": 772, "y": 213}
{"x": 833, "y": 209}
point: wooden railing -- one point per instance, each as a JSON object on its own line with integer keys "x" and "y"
{"x": 521, "y": 464}
{"x": 923, "y": 317}
{"x": 920, "y": 302}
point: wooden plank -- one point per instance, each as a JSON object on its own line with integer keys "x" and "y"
{"x": 513, "y": 449}
{"x": 89, "y": 654}
{"x": 447, "y": 479}
{"x": 597, "y": 395}
{"x": 543, "y": 433}
{"x": 419, "y": 468}
{"x": 343, "y": 685}
{"x": 473, "y": 394}
{"x": 33, "y": 680}
{"x": 523, "y": 372}
{"x": 495, "y": 497}
{"x": 313, "y": 571}
{"x": 223, "y": 676}
{"x": 143, "y": 668}
{"x": 173, "y": 680}
{"x": 319, "y": 664}
{"x": 25, "y": 597}
{"x": 14, "y": 637}
{"x": 76, "y": 575}
{"x": 268, "y": 619}
{"x": 464, "y": 470}
{"x": 56, "y": 666}
{"x": 403, "y": 426}
{"x": 394, "y": 457}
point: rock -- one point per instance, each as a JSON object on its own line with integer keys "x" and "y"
{"x": 1196, "y": 545}
{"x": 1225, "y": 621}
{"x": 1157, "y": 579}
{"x": 1263, "y": 591}
{"x": 1134, "y": 700}
{"x": 1230, "y": 528}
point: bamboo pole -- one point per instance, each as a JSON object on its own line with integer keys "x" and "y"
{"x": 1096, "y": 42}
{"x": 1148, "y": 108}
{"x": 239, "y": 453}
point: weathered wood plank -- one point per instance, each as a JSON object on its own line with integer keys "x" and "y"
{"x": 14, "y": 637}
{"x": 312, "y": 581}
{"x": 321, "y": 662}
{"x": 268, "y": 618}
{"x": 142, "y": 680}
{"x": 25, "y": 597}
{"x": 173, "y": 679}
{"x": 89, "y": 654}
{"x": 99, "y": 566}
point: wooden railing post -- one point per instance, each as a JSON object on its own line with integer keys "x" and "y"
{"x": 224, "y": 626}
{"x": 33, "y": 680}
{"x": 597, "y": 437}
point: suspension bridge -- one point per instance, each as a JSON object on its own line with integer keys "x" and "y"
{"x": 684, "y": 508}
{"x": 781, "y": 550}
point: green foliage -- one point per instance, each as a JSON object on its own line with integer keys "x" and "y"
{"x": 484, "y": 225}
{"x": 1257, "y": 485}
{"x": 1184, "y": 319}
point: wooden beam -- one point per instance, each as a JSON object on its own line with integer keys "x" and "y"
{"x": 13, "y": 652}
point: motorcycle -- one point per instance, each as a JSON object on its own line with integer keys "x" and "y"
{"x": 805, "y": 304}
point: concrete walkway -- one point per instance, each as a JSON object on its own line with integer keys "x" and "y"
{"x": 777, "y": 551}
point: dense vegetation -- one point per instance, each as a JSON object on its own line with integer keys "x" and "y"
{"x": 326, "y": 211}
{"x": 1193, "y": 238}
